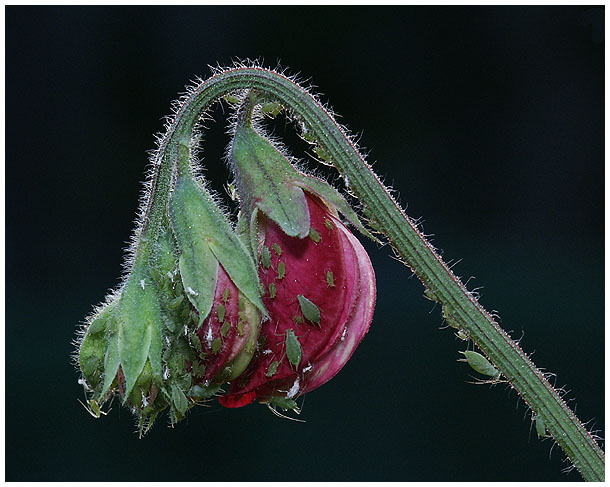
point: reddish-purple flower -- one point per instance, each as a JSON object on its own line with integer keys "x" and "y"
{"x": 320, "y": 295}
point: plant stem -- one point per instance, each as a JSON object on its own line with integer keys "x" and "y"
{"x": 460, "y": 307}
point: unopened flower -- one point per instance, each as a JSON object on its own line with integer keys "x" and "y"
{"x": 319, "y": 282}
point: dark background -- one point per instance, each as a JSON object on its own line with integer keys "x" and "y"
{"x": 489, "y": 122}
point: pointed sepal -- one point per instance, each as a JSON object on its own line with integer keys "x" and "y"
{"x": 204, "y": 234}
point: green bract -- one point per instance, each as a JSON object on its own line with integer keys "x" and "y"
{"x": 205, "y": 238}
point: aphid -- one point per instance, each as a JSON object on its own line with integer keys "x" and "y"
{"x": 272, "y": 290}
{"x": 330, "y": 278}
{"x": 272, "y": 407}
{"x": 216, "y": 345}
{"x": 540, "y": 426}
{"x": 225, "y": 295}
{"x": 224, "y": 329}
{"x": 198, "y": 369}
{"x": 462, "y": 335}
{"x": 231, "y": 191}
{"x": 297, "y": 319}
{"x": 293, "y": 348}
{"x": 177, "y": 301}
{"x": 94, "y": 408}
{"x": 240, "y": 328}
{"x": 328, "y": 224}
{"x": 321, "y": 153}
{"x": 179, "y": 399}
{"x": 194, "y": 341}
{"x": 314, "y": 235}
{"x": 271, "y": 109}
{"x": 310, "y": 311}
{"x": 277, "y": 249}
{"x": 266, "y": 257}
{"x": 272, "y": 368}
{"x": 220, "y": 311}
{"x": 285, "y": 403}
{"x": 281, "y": 270}
{"x": 231, "y": 99}
{"x": 481, "y": 365}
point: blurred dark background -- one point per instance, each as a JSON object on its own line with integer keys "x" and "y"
{"x": 489, "y": 123}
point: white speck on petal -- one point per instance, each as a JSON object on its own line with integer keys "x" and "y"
{"x": 142, "y": 283}
{"x": 308, "y": 368}
{"x": 190, "y": 290}
{"x": 294, "y": 389}
{"x": 343, "y": 334}
{"x": 267, "y": 352}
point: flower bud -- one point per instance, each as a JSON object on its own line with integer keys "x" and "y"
{"x": 319, "y": 281}
{"x": 185, "y": 320}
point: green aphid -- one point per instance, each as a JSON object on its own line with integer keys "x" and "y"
{"x": 93, "y": 408}
{"x": 540, "y": 427}
{"x": 272, "y": 290}
{"x": 272, "y": 369}
{"x": 220, "y": 311}
{"x": 240, "y": 329}
{"x": 330, "y": 278}
{"x": 277, "y": 249}
{"x": 293, "y": 348}
{"x": 285, "y": 403}
{"x": 216, "y": 345}
{"x": 297, "y": 319}
{"x": 271, "y": 108}
{"x": 281, "y": 270}
{"x": 321, "y": 153}
{"x": 266, "y": 257}
{"x": 328, "y": 224}
{"x": 231, "y": 99}
{"x": 179, "y": 399}
{"x": 195, "y": 342}
{"x": 224, "y": 329}
{"x": 174, "y": 303}
{"x": 310, "y": 311}
{"x": 483, "y": 366}
{"x": 250, "y": 347}
{"x": 314, "y": 235}
{"x": 225, "y": 295}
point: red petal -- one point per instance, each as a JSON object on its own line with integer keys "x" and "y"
{"x": 237, "y": 400}
{"x": 210, "y": 330}
{"x": 346, "y": 305}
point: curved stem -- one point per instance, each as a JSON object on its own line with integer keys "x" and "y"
{"x": 460, "y": 307}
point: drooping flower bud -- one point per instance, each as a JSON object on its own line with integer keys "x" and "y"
{"x": 185, "y": 320}
{"x": 319, "y": 282}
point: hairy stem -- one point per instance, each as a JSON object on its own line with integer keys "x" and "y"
{"x": 460, "y": 307}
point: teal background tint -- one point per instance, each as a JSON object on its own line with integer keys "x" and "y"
{"x": 488, "y": 123}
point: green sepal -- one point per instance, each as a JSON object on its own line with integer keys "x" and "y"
{"x": 333, "y": 199}
{"x": 112, "y": 359}
{"x": 140, "y": 325}
{"x": 265, "y": 181}
{"x": 205, "y": 237}
{"x": 92, "y": 352}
